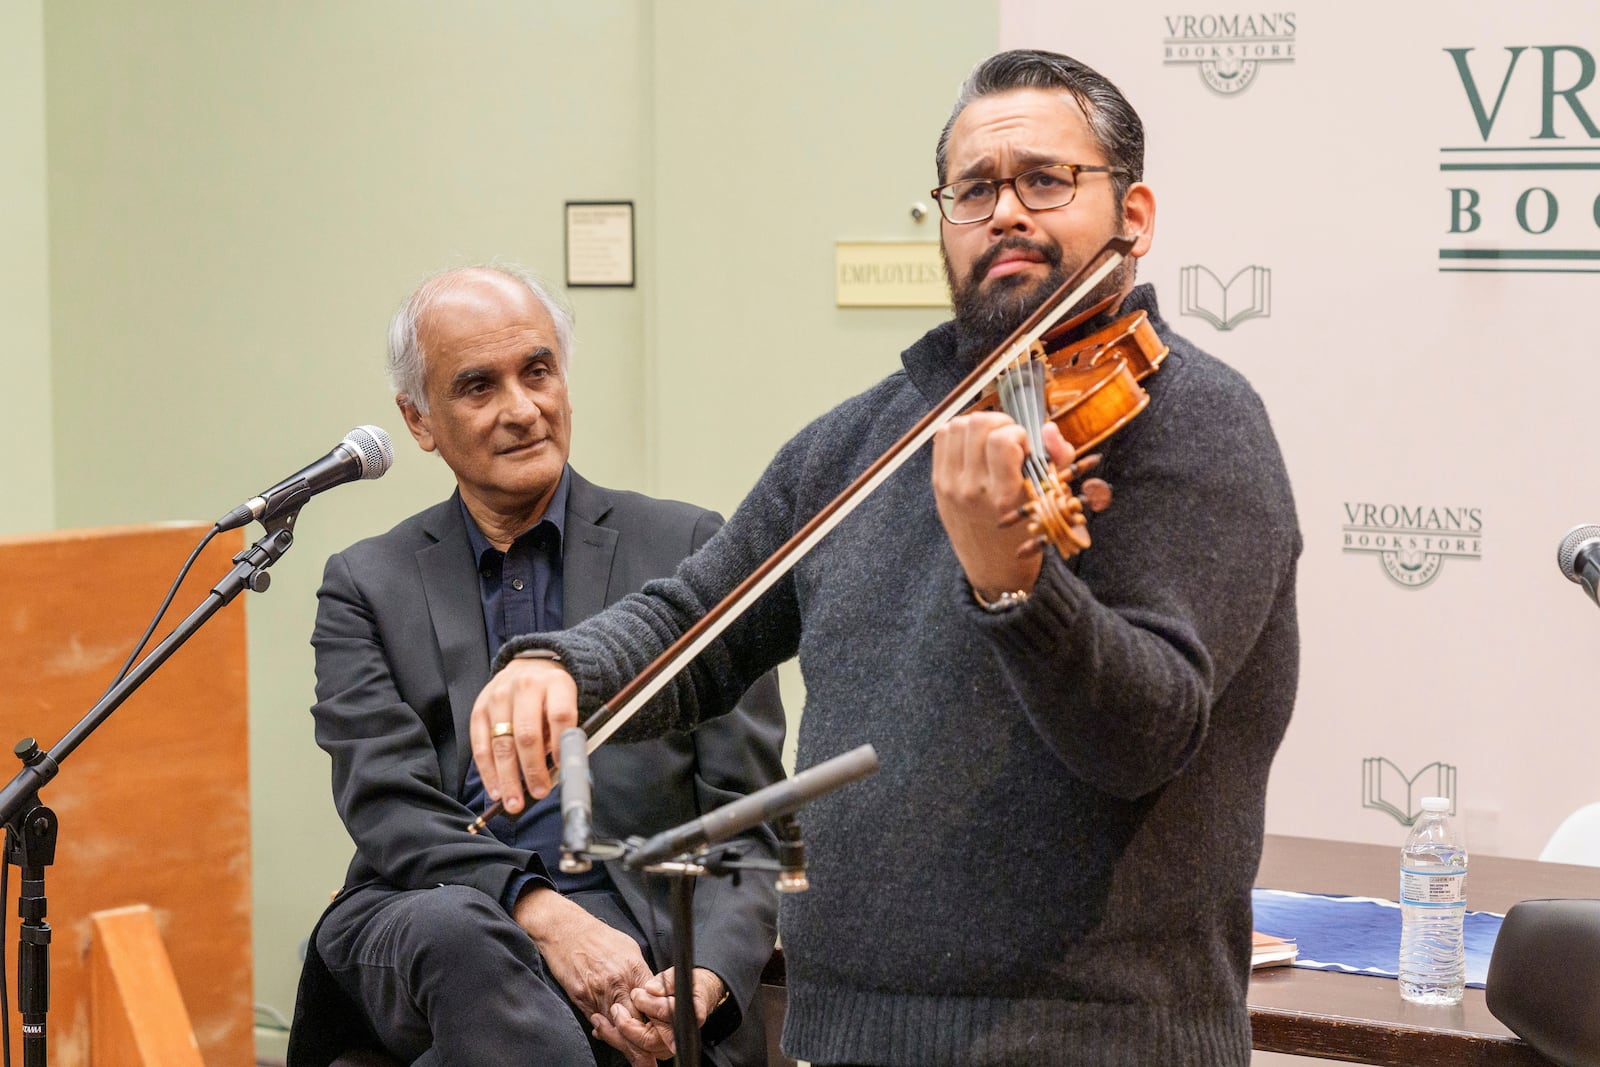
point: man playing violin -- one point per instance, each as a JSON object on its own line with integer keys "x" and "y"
{"x": 1054, "y": 864}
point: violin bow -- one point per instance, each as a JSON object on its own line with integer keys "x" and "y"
{"x": 615, "y": 713}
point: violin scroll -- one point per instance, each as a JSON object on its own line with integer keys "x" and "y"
{"x": 1055, "y": 515}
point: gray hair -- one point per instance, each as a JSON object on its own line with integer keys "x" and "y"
{"x": 405, "y": 350}
{"x": 1115, "y": 126}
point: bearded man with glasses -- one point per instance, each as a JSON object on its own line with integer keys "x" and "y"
{"x": 1054, "y": 863}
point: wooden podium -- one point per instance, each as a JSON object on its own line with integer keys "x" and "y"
{"x": 154, "y": 807}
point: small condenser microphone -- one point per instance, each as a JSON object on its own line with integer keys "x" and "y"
{"x": 577, "y": 808}
{"x": 780, "y": 798}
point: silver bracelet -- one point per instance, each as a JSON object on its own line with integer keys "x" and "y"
{"x": 538, "y": 653}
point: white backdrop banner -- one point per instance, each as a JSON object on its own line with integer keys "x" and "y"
{"x": 1387, "y": 216}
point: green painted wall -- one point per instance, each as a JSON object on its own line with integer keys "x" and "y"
{"x": 784, "y": 128}
{"x": 26, "y": 468}
{"x": 240, "y": 194}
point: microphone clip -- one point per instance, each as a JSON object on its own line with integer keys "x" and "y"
{"x": 580, "y": 860}
{"x": 725, "y": 860}
{"x": 253, "y": 561}
{"x": 791, "y": 855}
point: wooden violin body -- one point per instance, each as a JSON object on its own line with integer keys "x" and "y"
{"x": 1092, "y": 385}
{"x": 1090, "y": 391}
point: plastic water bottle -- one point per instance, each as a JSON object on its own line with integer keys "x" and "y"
{"x": 1433, "y": 908}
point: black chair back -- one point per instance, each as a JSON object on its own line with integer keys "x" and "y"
{"x": 1544, "y": 978}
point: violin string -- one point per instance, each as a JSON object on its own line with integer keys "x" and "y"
{"x": 1038, "y": 458}
{"x": 1044, "y": 474}
{"x": 1022, "y": 396}
{"x": 1032, "y": 389}
{"x": 1016, "y": 401}
{"x": 1041, "y": 458}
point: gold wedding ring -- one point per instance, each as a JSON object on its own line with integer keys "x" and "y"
{"x": 501, "y": 729}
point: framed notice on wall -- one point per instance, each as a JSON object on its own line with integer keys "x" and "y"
{"x": 600, "y": 243}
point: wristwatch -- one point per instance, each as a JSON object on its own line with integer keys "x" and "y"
{"x": 1004, "y": 602}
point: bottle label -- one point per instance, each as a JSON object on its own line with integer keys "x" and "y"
{"x": 1432, "y": 890}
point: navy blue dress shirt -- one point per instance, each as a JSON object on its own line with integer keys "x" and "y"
{"x": 521, "y": 594}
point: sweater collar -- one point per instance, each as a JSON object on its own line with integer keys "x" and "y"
{"x": 931, "y": 363}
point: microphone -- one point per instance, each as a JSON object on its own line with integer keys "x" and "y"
{"x": 365, "y": 453}
{"x": 778, "y": 799}
{"x": 1579, "y": 558}
{"x": 577, "y": 811}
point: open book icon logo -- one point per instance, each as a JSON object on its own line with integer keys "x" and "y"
{"x": 1246, "y": 295}
{"x": 1386, "y": 787}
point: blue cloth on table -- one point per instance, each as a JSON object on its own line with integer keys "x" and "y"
{"x": 1359, "y": 935}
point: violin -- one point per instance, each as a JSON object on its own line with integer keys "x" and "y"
{"x": 1089, "y": 387}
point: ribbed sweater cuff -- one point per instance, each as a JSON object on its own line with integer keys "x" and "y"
{"x": 596, "y": 677}
{"x": 579, "y": 660}
{"x": 1034, "y": 629}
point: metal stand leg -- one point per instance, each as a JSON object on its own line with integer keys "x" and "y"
{"x": 685, "y": 1027}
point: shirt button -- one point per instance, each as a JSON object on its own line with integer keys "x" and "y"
{"x": 516, "y": 583}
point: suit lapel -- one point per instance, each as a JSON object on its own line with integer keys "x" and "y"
{"x": 587, "y": 552}
{"x": 450, "y": 581}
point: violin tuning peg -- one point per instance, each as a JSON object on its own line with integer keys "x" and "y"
{"x": 1033, "y": 546}
{"x": 1015, "y": 517}
{"x": 1095, "y": 495}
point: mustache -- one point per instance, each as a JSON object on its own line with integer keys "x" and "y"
{"x": 1050, "y": 253}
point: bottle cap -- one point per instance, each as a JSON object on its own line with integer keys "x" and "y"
{"x": 1435, "y": 803}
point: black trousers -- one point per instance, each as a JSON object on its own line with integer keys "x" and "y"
{"x": 446, "y": 977}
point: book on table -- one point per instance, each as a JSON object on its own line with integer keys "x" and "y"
{"x": 1269, "y": 951}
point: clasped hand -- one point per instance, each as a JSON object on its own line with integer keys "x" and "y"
{"x": 603, "y": 973}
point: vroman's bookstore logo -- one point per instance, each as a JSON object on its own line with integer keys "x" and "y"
{"x": 1522, "y": 176}
{"x": 1413, "y": 542}
{"x": 1228, "y": 49}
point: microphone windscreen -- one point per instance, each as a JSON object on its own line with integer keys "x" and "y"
{"x": 1571, "y": 545}
{"x": 373, "y": 448}
{"x": 575, "y": 781}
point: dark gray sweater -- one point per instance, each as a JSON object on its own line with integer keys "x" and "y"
{"x": 1054, "y": 863}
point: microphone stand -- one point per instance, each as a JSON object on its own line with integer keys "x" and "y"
{"x": 31, "y": 840}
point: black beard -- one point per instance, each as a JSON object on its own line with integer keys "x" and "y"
{"x": 985, "y": 318}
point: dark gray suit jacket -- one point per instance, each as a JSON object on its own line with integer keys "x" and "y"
{"x": 401, "y": 655}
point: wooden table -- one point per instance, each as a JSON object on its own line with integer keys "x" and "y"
{"x": 1361, "y": 1019}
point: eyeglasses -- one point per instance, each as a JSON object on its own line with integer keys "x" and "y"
{"x": 1039, "y": 189}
